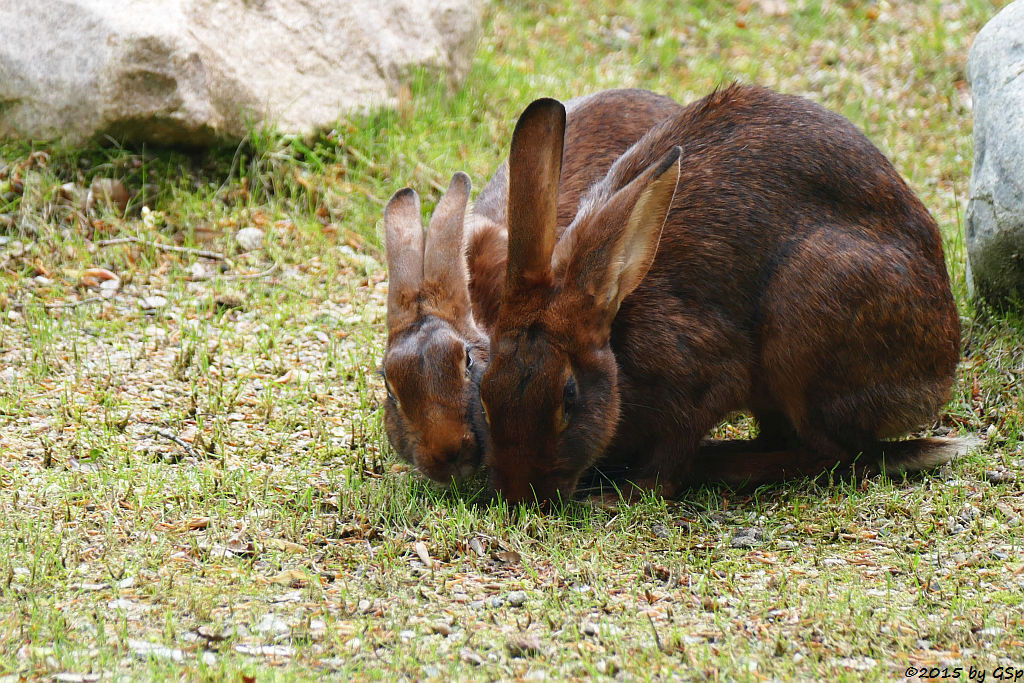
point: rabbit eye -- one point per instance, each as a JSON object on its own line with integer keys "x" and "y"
{"x": 391, "y": 394}
{"x": 563, "y": 415}
{"x": 469, "y": 361}
{"x": 569, "y": 393}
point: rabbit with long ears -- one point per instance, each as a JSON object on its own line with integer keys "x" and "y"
{"x": 433, "y": 341}
{"x": 440, "y": 311}
{"x": 755, "y": 253}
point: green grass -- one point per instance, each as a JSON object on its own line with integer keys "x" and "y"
{"x": 205, "y": 491}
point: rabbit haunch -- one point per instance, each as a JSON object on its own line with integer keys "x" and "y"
{"x": 445, "y": 286}
{"x": 754, "y": 253}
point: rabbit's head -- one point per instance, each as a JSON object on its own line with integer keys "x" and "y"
{"x": 435, "y": 352}
{"x": 550, "y": 392}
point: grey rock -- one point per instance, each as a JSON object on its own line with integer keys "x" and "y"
{"x": 152, "y": 303}
{"x": 747, "y": 537}
{"x": 271, "y": 623}
{"x": 1000, "y": 476}
{"x": 143, "y": 649}
{"x": 193, "y": 72}
{"x": 250, "y": 239}
{"x": 517, "y": 598}
{"x": 995, "y": 210}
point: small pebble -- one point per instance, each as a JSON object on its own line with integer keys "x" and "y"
{"x": 271, "y": 623}
{"x": 747, "y": 537}
{"x": 523, "y": 647}
{"x": 249, "y": 239}
{"x": 200, "y": 270}
{"x": 969, "y": 512}
{"x": 110, "y": 193}
{"x": 1000, "y": 476}
{"x": 151, "y": 303}
{"x": 517, "y": 598}
{"x": 441, "y": 628}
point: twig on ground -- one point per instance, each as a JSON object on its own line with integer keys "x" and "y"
{"x": 657, "y": 638}
{"x": 234, "y": 163}
{"x": 21, "y": 305}
{"x": 204, "y": 253}
{"x": 171, "y": 437}
{"x": 80, "y": 302}
{"x": 251, "y": 276}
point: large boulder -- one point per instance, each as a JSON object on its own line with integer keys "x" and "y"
{"x": 995, "y": 212}
{"x": 192, "y": 72}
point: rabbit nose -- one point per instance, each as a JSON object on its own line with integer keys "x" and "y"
{"x": 441, "y": 468}
{"x": 446, "y": 459}
{"x": 442, "y": 462}
{"x": 514, "y": 489}
{"x": 444, "y": 466}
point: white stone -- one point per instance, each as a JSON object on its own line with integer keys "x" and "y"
{"x": 995, "y": 211}
{"x": 249, "y": 239}
{"x": 192, "y": 72}
{"x": 153, "y": 302}
{"x": 146, "y": 650}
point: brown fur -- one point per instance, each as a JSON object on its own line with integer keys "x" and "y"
{"x": 439, "y": 314}
{"x": 797, "y": 277}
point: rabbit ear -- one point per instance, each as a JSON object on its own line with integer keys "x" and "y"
{"x": 535, "y": 164}
{"x": 403, "y": 241}
{"x": 445, "y": 280}
{"x": 609, "y": 255}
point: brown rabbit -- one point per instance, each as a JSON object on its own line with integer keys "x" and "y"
{"x": 797, "y": 277}
{"x": 439, "y": 314}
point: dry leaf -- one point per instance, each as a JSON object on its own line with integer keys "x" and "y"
{"x": 508, "y": 557}
{"x": 441, "y": 628}
{"x": 287, "y": 546}
{"x": 92, "y": 277}
{"x": 423, "y": 554}
{"x": 524, "y": 647}
{"x": 293, "y": 578}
